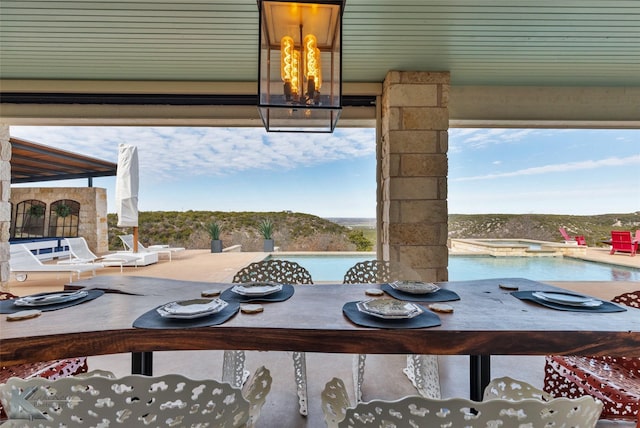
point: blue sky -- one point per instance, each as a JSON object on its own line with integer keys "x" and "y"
{"x": 559, "y": 171}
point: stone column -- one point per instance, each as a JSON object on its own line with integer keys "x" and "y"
{"x": 5, "y": 206}
{"x": 412, "y": 220}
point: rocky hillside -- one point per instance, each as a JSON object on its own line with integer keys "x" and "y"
{"x": 305, "y": 232}
{"x": 293, "y": 231}
{"x": 543, "y": 227}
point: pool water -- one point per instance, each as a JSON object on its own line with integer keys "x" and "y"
{"x": 331, "y": 268}
{"x": 326, "y": 267}
{"x": 463, "y": 268}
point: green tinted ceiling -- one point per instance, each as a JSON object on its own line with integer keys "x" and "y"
{"x": 481, "y": 42}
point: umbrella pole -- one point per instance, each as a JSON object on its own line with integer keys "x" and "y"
{"x": 135, "y": 239}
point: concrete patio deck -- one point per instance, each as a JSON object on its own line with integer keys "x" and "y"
{"x": 383, "y": 375}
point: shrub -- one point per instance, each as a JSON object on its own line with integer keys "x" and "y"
{"x": 213, "y": 229}
{"x": 266, "y": 228}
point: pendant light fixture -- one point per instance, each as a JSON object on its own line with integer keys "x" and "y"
{"x": 300, "y": 74}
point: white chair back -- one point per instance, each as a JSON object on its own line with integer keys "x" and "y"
{"x": 170, "y": 400}
{"x": 420, "y": 412}
{"x": 79, "y": 250}
{"x": 22, "y": 259}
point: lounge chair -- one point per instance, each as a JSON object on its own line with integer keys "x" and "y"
{"x": 578, "y": 239}
{"x": 23, "y": 261}
{"x": 79, "y": 252}
{"x": 127, "y": 241}
{"x": 622, "y": 241}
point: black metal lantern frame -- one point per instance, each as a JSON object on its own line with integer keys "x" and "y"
{"x": 300, "y": 74}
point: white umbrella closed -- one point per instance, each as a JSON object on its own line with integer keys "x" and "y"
{"x": 127, "y": 183}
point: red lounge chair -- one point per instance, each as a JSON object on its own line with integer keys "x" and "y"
{"x": 568, "y": 239}
{"x": 621, "y": 241}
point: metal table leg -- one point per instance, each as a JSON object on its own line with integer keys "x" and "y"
{"x": 479, "y": 375}
{"x": 142, "y": 363}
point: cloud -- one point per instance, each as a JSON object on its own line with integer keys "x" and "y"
{"x": 166, "y": 152}
{"x": 564, "y": 167}
{"x": 476, "y": 139}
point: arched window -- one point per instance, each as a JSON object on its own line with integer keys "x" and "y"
{"x": 29, "y": 219}
{"x": 63, "y": 218}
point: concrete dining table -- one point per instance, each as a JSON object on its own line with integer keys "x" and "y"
{"x": 486, "y": 320}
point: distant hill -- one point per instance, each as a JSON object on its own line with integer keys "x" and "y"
{"x": 364, "y": 222}
{"x": 306, "y": 232}
{"x": 542, "y": 227}
{"x": 293, "y": 231}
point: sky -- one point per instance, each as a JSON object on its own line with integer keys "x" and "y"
{"x": 509, "y": 171}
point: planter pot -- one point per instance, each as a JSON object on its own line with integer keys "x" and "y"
{"x": 216, "y": 245}
{"x": 268, "y": 245}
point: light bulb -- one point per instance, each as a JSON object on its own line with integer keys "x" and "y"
{"x": 289, "y": 66}
{"x": 312, "y": 64}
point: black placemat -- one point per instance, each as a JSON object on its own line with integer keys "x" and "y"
{"x": 441, "y": 295}
{"x": 605, "y": 307}
{"x": 7, "y": 306}
{"x": 280, "y": 296}
{"x": 152, "y": 319}
{"x": 425, "y": 319}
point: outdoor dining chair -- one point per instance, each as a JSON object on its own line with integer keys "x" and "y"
{"x": 55, "y": 369}
{"x": 613, "y": 379}
{"x": 169, "y": 401}
{"x": 421, "y": 412}
{"x": 284, "y": 272}
{"x": 422, "y": 370}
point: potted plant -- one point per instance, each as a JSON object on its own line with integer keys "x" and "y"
{"x": 266, "y": 230}
{"x": 213, "y": 229}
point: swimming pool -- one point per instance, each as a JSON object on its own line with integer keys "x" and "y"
{"x": 331, "y": 268}
{"x": 517, "y": 247}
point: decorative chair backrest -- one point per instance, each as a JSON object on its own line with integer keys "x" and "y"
{"x": 5, "y": 295}
{"x": 631, "y": 299}
{"x": 282, "y": 271}
{"x": 368, "y": 272}
{"x": 507, "y": 388}
{"x": 632, "y": 364}
{"x": 170, "y": 400}
{"x": 416, "y": 411}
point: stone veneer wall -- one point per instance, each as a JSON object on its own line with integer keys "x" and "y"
{"x": 92, "y": 224}
{"x": 5, "y": 207}
{"x": 412, "y": 205}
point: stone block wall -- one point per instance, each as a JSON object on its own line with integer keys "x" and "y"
{"x": 92, "y": 222}
{"x": 412, "y": 206}
{"x": 5, "y": 207}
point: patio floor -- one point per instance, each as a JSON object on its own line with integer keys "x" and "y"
{"x": 383, "y": 374}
